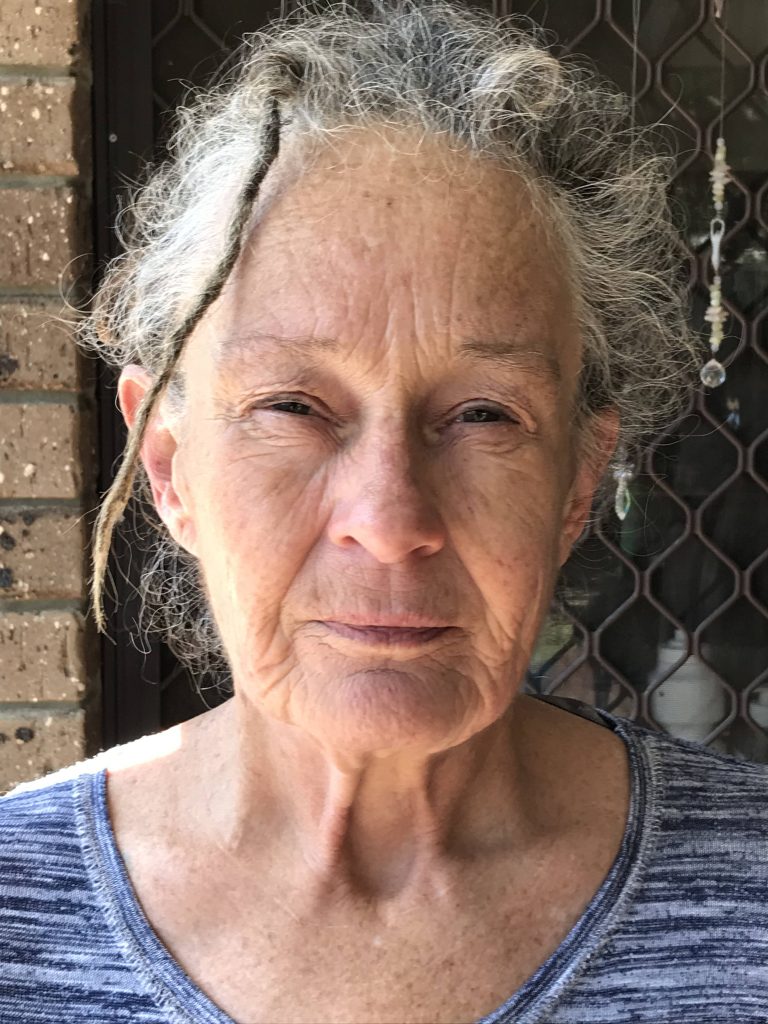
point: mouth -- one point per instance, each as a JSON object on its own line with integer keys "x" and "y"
{"x": 388, "y": 636}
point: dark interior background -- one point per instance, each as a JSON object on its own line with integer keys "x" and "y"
{"x": 670, "y": 625}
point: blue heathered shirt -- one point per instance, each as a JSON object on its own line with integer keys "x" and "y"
{"x": 677, "y": 932}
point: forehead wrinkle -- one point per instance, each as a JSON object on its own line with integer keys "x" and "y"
{"x": 506, "y": 356}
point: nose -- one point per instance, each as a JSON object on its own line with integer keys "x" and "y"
{"x": 384, "y": 503}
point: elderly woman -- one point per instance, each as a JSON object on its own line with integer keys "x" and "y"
{"x": 384, "y": 322}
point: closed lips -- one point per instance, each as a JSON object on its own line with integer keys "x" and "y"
{"x": 388, "y": 622}
{"x": 385, "y": 634}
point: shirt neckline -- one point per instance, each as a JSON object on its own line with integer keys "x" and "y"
{"x": 611, "y": 902}
{"x": 185, "y": 1003}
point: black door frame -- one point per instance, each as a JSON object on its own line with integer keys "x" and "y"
{"x": 122, "y": 142}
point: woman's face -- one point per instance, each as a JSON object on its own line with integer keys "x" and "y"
{"x": 379, "y": 425}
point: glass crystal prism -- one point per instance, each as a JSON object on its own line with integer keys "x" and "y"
{"x": 622, "y": 501}
{"x": 712, "y": 374}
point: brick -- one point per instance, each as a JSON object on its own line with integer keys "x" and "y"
{"x": 37, "y": 136}
{"x": 41, "y": 234}
{"x": 39, "y": 451}
{"x": 42, "y": 554}
{"x": 43, "y": 656}
{"x": 37, "y": 349}
{"x": 39, "y": 32}
{"x": 34, "y": 743}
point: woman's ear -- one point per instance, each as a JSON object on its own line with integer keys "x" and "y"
{"x": 595, "y": 455}
{"x": 159, "y": 449}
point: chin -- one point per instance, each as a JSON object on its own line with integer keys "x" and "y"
{"x": 390, "y": 708}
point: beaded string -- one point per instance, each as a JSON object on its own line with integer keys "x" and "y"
{"x": 625, "y": 469}
{"x": 713, "y": 373}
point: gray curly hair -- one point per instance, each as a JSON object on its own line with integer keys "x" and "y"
{"x": 483, "y": 85}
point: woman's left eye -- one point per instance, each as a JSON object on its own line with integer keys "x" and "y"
{"x": 485, "y": 414}
{"x": 292, "y": 406}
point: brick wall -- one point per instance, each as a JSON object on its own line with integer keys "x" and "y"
{"x": 49, "y": 691}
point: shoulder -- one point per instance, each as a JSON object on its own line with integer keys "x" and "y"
{"x": 708, "y": 811}
{"x": 692, "y": 769}
{"x": 60, "y": 958}
{"x": 37, "y": 794}
{"x": 39, "y": 826}
{"x": 43, "y": 878}
{"x": 59, "y": 814}
{"x": 47, "y": 796}
{"x": 39, "y": 812}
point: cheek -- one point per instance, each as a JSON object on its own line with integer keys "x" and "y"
{"x": 511, "y": 500}
{"x": 252, "y": 489}
{"x": 257, "y": 515}
{"x": 505, "y": 520}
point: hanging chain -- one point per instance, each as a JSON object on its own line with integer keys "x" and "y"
{"x": 635, "y": 36}
{"x": 713, "y": 373}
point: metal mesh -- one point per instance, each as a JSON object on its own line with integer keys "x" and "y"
{"x": 666, "y": 615}
{"x": 672, "y": 629}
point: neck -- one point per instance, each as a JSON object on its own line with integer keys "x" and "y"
{"x": 372, "y": 826}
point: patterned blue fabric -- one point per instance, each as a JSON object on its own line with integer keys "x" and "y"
{"x": 678, "y": 931}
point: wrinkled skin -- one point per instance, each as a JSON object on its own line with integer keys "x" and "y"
{"x": 392, "y": 473}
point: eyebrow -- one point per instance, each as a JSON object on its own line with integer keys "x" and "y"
{"x": 516, "y": 357}
{"x": 299, "y": 346}
{"x": 504, "y": 354}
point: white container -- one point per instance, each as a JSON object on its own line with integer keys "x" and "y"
{"x": 692, "y": 701}
{"x": 758, "y": 706}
